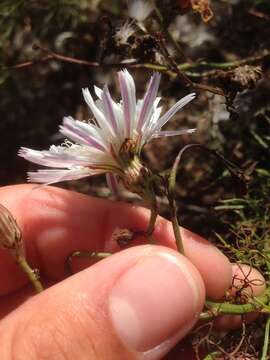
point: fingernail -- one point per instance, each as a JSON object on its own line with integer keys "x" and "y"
{"x": 154, "y": 300}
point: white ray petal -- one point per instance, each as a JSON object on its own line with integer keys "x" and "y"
{"x": 172, "y": 133}
{"x": 98, "y": 91}
{"x": 148, "y": 129}
{"x": 167, "y": 116}
{"x": 51, "y": 176}
{"x": 53, "y": 158}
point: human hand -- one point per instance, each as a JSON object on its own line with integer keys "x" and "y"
{"x": 136, "y": 304}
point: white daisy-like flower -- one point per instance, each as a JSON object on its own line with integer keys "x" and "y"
{"x": 139, "y": 9}
{"x": 112, "y": 141}
{"x": 124, "y": 32}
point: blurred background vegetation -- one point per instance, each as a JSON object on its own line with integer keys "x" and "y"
{"x": 43, "y": 44}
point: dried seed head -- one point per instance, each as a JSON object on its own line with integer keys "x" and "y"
{"x": 10, "y": 233}
{"x": 247, "y": 76}
{"x": 124, "y": 33}
{"x": 241, "y": 78}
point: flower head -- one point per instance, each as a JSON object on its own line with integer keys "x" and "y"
{"x": 113, "y": 141}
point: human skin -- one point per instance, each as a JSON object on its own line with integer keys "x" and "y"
{"x": 136, "y": 304}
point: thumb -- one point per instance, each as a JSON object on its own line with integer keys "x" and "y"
{"x": 135, "y": 304}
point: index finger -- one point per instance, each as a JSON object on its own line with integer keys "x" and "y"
{"x": 57, "y": 222}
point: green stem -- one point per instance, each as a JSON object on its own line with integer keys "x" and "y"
{"x": 212, "y": 356}
{"x": 157, "y": 67}
{"x": 266, "y": 339}
{"x": 151, "y": 225}
{"x": 31, "y": 274}
{"x": 176, "y": 227}
{"x": 83, "y": 254}
{"x": 215, "y": 309}
{"x": 207, "y": 65}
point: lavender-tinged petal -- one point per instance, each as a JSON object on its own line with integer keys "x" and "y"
{"x": 176, "y": 107}
{"x": 92, "y": 130}
{"x": 112, "y": 183}
{"x": 117, "y": 108}
{"x": 108, "y": 109}
{"x": 139, "y": 105}
{"x": 53, "y": 159}
{"x": 148, "y": 100}
{"x": 71, "y": 129}
{"x": 51, "y": 176}
{"x": 128, "y": 92}
{"x": 95, "y": 132}
{"x": 172, "y": 133}
{"x": 102, "y": 122}
{"x": 73, "y": 135}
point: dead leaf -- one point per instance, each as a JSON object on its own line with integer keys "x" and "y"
{"x": 202, "y": 7}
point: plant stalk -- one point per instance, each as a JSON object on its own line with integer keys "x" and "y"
{"x": 176, "y": 227}
{"x": 266, "y": 339}
{"x": 31, "y": 273}
{"x": 258, "y": 304}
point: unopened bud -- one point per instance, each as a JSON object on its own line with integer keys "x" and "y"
{"x": 10, "y": 233}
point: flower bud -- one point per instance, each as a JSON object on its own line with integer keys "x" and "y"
{"x": 10, "y": 233}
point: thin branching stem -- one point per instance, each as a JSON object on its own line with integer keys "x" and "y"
{"x": 183, "y": 67}
{"x": 83, "y": 254}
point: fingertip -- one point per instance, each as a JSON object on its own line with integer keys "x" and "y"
{"x": 156, "y": 302}
{"x": 246, "y": 282}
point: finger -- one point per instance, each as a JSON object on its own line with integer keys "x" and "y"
{"x": 56, "y": 222}
{"x": 247, "y": 282}
{"x": 135, "y": 304}
{"x": 10, "y": 302}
